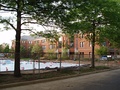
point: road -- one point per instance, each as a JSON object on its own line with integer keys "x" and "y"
{"x": 109, "y": 80}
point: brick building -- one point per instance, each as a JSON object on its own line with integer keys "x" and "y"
{"x": 28, "y": 41}
{"x": 78, "y": 44}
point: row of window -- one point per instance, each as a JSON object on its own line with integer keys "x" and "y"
{"x": 30, "y": 42}
{"x": 52, "y": 46}
{"x": 71, "y": 44}
{"x": 44, "y": 47}
{"x": 82, "y": 44}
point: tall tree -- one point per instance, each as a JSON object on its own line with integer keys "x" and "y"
{"x": 96, "y": 18}
{"x": 44, "y": 11}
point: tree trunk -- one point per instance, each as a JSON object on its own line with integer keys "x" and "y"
{"x": 93, "y": 48}
{"x": 17, "y": 72}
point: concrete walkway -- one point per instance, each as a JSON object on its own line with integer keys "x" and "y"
{"x": 109, "y": 80}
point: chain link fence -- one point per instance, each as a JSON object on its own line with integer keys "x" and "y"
{"x": 46, "y": 62}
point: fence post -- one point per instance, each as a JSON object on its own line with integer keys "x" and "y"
{"x": 33, "y": 66}
{"x": 39, "y": 64}
{"x": 60, "y": 61}
{"x": 79, "y": 63}
{"x": 34, "y": 57}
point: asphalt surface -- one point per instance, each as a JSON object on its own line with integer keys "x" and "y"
{"x": 109, "y": 80}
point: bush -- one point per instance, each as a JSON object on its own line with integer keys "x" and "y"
{"x": 50, "y": 55}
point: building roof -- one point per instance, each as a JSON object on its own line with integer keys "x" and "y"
{"x": 29, "y": 38}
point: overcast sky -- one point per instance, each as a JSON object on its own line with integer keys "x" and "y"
{"x": 6, "y": 36}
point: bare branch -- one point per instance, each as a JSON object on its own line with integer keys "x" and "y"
{"x": 29, "y": 22}
{"x": 8, "y": 10}
{"x": 35, "y": 33}
{"x": 13, "y": 9}
{"x": 5, "y": 21}
{"x": 26, "y": 17}
{"x": 26, "y": 29}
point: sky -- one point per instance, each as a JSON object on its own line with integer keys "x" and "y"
{"x": 6, "y": 36}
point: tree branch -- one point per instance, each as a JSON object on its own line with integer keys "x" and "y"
{"x": 35, "y": 33}
{"x": 7, "y": 8}
{"x": 29, "y": 22}
{"x": 5, "y": 21}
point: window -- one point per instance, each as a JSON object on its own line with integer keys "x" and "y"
{"x": 71, "y": 43}
{"x": 82, "y": 54}
{"x": 90, "y": 54}
{"x": 43, "y": 41}
{"x": 23, "y": 41}
{"x": 43, "y": 47}
{"x": 81, "y": 44}
{"x": 90, "y": 43}
{"x": 30, "y": 42}
{"x": 37, "y": 41}
{"x": 52, "y": 46}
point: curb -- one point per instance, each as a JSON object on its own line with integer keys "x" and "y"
{"x": 50, "y": 79}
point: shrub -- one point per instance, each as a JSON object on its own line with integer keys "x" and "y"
{"x": 50, "y": 55}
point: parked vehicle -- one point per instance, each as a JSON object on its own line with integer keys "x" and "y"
{"x": 104, "y": 57}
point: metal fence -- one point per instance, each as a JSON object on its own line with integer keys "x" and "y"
{"x": 46, "y": 62}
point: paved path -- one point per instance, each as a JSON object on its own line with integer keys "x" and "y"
{"x": 109, "y": 80}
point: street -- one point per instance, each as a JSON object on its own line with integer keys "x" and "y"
{"x": 109, "y": 80}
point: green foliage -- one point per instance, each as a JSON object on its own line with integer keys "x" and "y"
{"x": 37, "y": 49}
{"x": 98, "y": 19}
{"x": 104, "y": 14}
{"x": 1, "y": 48}
{"x": 6, "y": 49}
{"x": 12, "y": 49}
{"x": 50, "y": 55}
{"x": 30, "y": 48}
{"x": 64, "y": 54}
{"x": 22, "y": 49}
{"x": 102, "y": 51}
{"x": 23, "y": 52}
{"x": 51, "y": 35}
{"x": 25, "y": 11}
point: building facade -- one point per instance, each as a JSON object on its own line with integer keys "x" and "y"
{"x": 77, "y": 44}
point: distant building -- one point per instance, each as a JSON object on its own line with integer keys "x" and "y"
{"x": 77, "y": 44}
